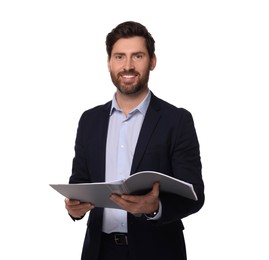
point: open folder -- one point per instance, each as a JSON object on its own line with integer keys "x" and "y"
{"x": 98, "y": 193}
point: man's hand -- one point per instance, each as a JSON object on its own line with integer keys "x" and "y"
{"x": 139, "y": 204}
{"x": 76, "y": 208}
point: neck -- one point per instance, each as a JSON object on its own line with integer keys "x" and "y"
{"x": 128, "y": 102}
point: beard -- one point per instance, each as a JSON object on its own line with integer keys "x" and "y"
{"x": 132, "y": 88}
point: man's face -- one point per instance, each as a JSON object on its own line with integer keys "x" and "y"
{"x": 130, "y": 65}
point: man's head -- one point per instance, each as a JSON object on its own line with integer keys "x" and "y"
{"x": 131, "y": 57}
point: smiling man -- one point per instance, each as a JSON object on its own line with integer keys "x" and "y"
{"x": 130, "y": 64}
{"x": 135, "y": 131}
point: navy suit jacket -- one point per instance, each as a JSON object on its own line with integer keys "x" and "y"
{"x": 167, "y": 143}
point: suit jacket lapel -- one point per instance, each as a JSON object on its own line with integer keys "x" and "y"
{"x": 101, "y": 138}
{"x": 151, "y": 119}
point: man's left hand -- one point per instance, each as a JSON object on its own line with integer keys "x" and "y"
{"x": 139, "y": 204}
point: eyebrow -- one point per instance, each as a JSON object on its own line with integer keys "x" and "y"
{"x": 134, "y": 53}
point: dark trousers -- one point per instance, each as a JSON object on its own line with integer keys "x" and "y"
{"x": 114, "y": 247}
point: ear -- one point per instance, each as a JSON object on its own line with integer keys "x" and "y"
{"x": 153, "y": 62}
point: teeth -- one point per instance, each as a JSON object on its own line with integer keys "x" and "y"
{"x": 128, "y": 76}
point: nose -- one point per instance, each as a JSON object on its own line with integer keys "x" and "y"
{"x": 129, "y": 64}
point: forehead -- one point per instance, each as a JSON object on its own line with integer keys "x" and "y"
{"x": 130, "y": 45}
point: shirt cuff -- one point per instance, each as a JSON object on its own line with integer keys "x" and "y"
{"x": 158, "y": 215}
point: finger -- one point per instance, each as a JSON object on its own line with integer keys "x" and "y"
{"x": 131, "y": 198}
{"x": 135, "y": 199}
{"x": 120, "y": 199}
{"x": 71, "y": 202}
{"x": 155, "y": 189}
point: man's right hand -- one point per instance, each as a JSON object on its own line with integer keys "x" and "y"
{"x": 76, "y": 208}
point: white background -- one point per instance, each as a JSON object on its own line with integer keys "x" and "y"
{"x": 213, "y": 60}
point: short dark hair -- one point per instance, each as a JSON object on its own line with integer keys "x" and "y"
{"x": 127, "y": 30}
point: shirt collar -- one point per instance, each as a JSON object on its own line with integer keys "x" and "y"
{"x": 142, "y": 107}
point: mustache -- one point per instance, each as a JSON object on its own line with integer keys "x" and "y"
{"x": 129, "y": 73}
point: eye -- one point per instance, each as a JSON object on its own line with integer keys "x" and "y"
{"x": 119, "y": 57}
{"x": 138, "y": 56}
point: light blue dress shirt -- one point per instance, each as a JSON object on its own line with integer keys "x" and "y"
{"x": 123, "y": 132}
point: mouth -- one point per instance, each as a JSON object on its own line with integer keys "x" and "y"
{"x": 128, "y": 78}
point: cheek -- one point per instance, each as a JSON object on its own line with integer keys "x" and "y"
{"x": 114, "y": 68}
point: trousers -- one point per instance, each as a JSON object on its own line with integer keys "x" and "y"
{"x": 114, "y": 246}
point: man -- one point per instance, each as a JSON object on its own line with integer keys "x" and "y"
{"x": 136, "y": 131}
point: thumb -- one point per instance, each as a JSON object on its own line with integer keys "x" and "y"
{"x": 155, "y": 189}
